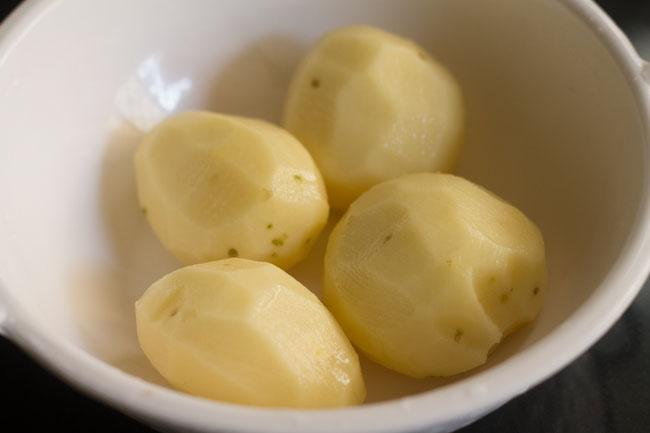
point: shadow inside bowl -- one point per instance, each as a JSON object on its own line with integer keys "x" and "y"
{"x": 255, "y": 81}
{"x": 104, "y": 297}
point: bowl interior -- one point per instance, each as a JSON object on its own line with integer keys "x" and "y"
{"x": 552, "y": 127}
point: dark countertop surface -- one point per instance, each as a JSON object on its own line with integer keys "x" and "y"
{"x": 606, "y": 390}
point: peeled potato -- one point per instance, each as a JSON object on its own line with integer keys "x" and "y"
{"x": 215, "y": 186}
{"x": 426, "y": 273}
{"x": 371, "y": 106}
{"x": 246, "y": 332}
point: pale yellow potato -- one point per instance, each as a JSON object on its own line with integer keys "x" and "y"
{"x": 426, "y": 273}
{"x": 214, "y": 186}
{"x": 246, "y": 332}
{"x": 371, "y": 106}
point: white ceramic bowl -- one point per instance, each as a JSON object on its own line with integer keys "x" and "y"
{"x": 558, "y": 121}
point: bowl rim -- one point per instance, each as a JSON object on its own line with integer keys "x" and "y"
{"x": 451, "y": 405}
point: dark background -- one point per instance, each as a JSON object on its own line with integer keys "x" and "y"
{"x": 606, "y": 390}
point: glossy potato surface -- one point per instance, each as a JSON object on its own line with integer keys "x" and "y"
{"x": 426, "y": 273}
{"x": 214, "y": 186}
{"x": 246, "y": 332}
{"x": 370, "y": 106}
